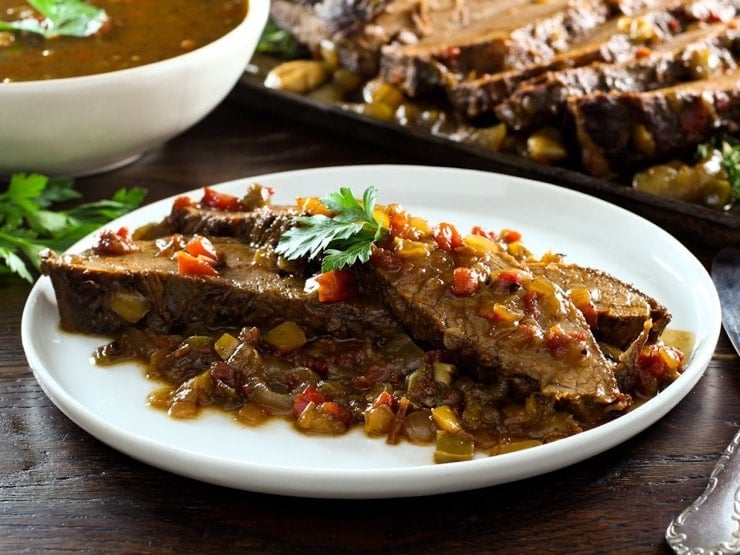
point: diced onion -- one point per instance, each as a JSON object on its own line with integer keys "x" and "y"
{"x": 130, "y": 305}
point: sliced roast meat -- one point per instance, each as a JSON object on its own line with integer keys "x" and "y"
{"x": 518, "y": 36}
{"x": 619, "y": 309}
{"x": 103, "y": 294}
{"x": 511, "y": 323}
{"x": 358, "y": 29}
{"x": 478, "y": 97}
{"x": 619, "y": 40}
{"x": 699, "y": 54}
{"x": 259, "y": 227}
{"x": 619, "y": 131}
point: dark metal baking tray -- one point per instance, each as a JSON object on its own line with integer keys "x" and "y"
{"x": 687, "y": 221}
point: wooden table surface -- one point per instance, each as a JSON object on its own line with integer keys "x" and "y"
{"x": 61, "y": 490}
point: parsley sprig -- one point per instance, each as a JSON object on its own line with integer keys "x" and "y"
{"x": 28, "y": 224}
{"x": 342, "y": 239}
{"x": 730, "y": 149}
{"x": 72, "y": 18}
{"x": 276, "y": 41}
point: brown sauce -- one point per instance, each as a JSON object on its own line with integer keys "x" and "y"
{"x": 139, "y": 32}
{"x": 680, "y": 339}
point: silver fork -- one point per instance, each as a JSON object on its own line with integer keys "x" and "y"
{"x": 711, "y": 524}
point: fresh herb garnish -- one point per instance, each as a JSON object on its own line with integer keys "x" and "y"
{"x": 343, "y": 239}
{"x": 730, "y": 149}
{"x": 276, "y": 41}
{"x": 71, "y": 18}
{"x": 28, "y": 225}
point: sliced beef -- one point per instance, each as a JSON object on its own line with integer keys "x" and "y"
{"x": 619, "y": 40}
{"x": 513, "y": 324}
{"x": 701, "y": 53}
{"x": 519, "y": 35}
{"x": 343, "y": 22}
{"x": 619, "y": 131}
{"x": 616, "y": 311}
{"x": 620, "y": 310}
{"x": 250, "y": 291}
{"x": 358, "y": 29}
{"x": 259, "y": 227}
{"x": 478, "y": 97}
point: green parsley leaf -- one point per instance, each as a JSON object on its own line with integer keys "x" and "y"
{"x": 730, "y": 149}
{"x": 276, "y": 41}
{"x": 28, "y": 225}
{"x": 343, "y": 239}
{"x": 71, "y": 18}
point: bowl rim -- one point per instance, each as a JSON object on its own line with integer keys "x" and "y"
{"x": 256, "y": 15}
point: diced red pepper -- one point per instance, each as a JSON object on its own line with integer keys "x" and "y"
{"x": 510, "y": 235}
{"x": 464, "y": 282}
{"x": 336, "y": 286}
{"x": 190, "y": 265}
{"x": 447, "y": 237}
{"x": 202, "y": 246}
{"x": 531, "y": 304}
{"x": 220, "y": 201}
{"x": 182, "y": 202}
{"x": 333, "y": 408}
{"x": 478, "y": 230}
{"x": 568, "y": 346}
{"x": 643, "y": 52}
{"x": 308, "y": 395}
{"x": 660, "y": 361}
{"x": 506, "y": 278}
{"x": 398, "y": 221}
{"x": 384, "y": 398}
{"x": 115, "y": 243}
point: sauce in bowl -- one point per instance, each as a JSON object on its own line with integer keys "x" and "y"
{"x": 138, "y": 32}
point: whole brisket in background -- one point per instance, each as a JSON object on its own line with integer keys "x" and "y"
{"x": 533, "y": 63}
{"x": 542, "y": 100}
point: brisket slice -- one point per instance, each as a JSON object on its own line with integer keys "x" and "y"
{"x": 549, "y": 343}
{"x": 618, "y": 40}
{"x": 248, "y": 292}
{"x": 521, "y": 35}
{"x": 259, "y": 227}
{"x": 541, "y": 101}
{"x": 620, "y": 309}
{"x": 620, "y": 131}
{"x": 477, "y": 97}
{"x": 359, "y": 28}
{"x": 342, "y": 22}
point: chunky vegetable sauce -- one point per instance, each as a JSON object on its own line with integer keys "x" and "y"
{"x": 138, "y": 32}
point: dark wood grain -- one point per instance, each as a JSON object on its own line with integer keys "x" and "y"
{"x": 63, "y": 491}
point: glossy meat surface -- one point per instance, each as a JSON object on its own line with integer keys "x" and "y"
{"x": 515, "y": 323}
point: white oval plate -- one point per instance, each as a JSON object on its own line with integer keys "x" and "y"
{"x": 110, "y": 403}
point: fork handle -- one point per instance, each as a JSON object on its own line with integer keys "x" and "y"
{"x": 711, "y": 524}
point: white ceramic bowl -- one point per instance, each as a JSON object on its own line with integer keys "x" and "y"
{"x": 83, "y": 125}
